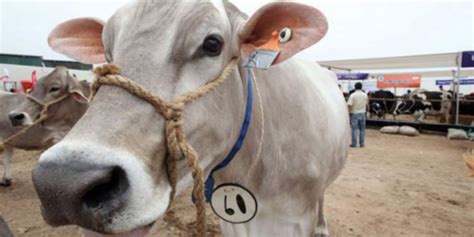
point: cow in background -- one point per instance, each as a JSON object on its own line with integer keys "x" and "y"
{"x": 466, "y": 105}
{"x": 423, "y": 103}
{"x": 466, "y": 109}
{"x": 36, "y": 138}
{"x": 61, "y": 116}
{"x": 381, "y": 102}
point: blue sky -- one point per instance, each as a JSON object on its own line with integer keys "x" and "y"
{"x": 357, "y": 29}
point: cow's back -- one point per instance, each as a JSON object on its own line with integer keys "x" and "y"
{"x": 434, "y": 97}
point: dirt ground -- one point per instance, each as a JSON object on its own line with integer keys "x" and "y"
{"x": 396, "y": 186}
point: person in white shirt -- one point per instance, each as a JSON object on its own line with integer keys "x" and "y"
{"x": 357, "y": 107}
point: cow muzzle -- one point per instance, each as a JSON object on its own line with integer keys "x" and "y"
{"x": 19, "y": 119}
{"x": 79, "y": 193}
{"x": 101, "y": 188}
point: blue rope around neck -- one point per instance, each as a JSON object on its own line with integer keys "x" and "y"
{"x": 210, "y": 182}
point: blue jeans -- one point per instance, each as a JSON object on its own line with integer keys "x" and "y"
{"x": 358, "y": 123}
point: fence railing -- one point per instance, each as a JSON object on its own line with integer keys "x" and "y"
{"x": 452, "y": 116}
{"x": 421, "y": 100}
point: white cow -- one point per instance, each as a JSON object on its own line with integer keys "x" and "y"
{"x": 109, "y": 173}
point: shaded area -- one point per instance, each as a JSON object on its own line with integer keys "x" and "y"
{"x": 4, "y": 230}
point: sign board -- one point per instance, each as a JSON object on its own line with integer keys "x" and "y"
{"x": 448, "y": 82}
{"x": 444, "y": 82}
{"x": 399, "y": 81}
{"x": 467, "y": 59}
{"x": 353, "y": 76}
{"x": 467, "y": 82}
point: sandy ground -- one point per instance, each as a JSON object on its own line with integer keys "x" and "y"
{"x": 396, "y": 186}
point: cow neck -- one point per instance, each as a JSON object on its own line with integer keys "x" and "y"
{"x": 177, "y": 147}
{"x": 210, "y": 182}
{"x": 41, "y": 119}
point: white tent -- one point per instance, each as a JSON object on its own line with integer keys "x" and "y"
{"x": 440, "y": 73}
{"x": 430, "y": 65}
{"x": 445, "y": 60}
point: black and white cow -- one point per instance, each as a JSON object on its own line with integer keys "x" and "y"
{"x": 422, "y": 103}
{"x": 381, "y": 102}
{"x": 466, "y": 105}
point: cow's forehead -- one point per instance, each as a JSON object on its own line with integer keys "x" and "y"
{"x": 162, "y": 33}
{"x": 58, "y": 76}
{"x": 165, "y": 10}
{"x": 162, "y": 19}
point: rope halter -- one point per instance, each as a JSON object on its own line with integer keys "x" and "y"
{"x": 177, "y": 146}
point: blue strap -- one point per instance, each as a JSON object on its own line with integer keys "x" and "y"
{"x": 209, "y": 185}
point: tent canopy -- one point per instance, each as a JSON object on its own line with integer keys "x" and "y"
{"x": 426, "y": 74}
{"x": 445, "y": 60}
{"x": 430, "y": 65}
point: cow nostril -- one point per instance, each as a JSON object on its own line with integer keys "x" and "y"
{"x": 19, "y": 117}
{"x": 107, "y": 192}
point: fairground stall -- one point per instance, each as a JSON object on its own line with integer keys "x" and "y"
{"x": 440, "y": 86}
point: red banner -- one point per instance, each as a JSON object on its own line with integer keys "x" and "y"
{"x": 399, "y": 81}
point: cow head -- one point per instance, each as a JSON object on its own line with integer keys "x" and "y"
{"x": 112, "y": 177}
{"x": 65, "y": 113}
{"x": 377, "y": 109}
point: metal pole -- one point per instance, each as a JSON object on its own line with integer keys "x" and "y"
{"x": 458, "y": 80}
{"x": 350, "y": 80}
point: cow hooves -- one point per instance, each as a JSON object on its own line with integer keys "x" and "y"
{"x": 6, "y": 183}
{"x": 321, "y": 232}
{"x": 322, "y": 235}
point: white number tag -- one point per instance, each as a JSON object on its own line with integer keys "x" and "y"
{"x": 234, "y": 203}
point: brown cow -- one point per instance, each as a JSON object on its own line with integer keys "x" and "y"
{"x": 61, "y": 116}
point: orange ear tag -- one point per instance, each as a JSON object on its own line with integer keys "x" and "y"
{"x": 263, "y": 57}
{"x": 273, "y": 44}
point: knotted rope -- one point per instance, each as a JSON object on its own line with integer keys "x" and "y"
{"x": 177, "y": 147}
{"x": 42, "y": 118}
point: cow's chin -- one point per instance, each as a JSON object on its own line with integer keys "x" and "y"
{"x": 139, "y": 232}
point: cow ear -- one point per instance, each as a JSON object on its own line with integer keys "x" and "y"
{"x": 79, "y": 39}
{"x": 307, "y": 25}
{"x": 80, "y": 91}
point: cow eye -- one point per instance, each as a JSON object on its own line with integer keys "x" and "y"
{"x": 54, "y": 89}
{"x": 212, "y": 45}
